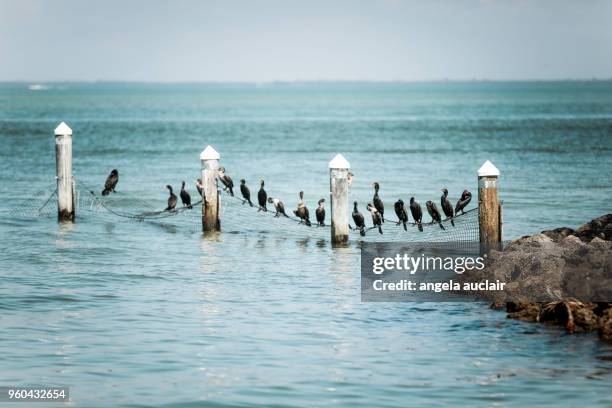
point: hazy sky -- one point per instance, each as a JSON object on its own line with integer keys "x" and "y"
{"x": 233, "y": 40}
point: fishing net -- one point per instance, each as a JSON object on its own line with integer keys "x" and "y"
{"x": 238, "y": 216}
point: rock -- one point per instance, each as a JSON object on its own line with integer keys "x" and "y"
{"x": 605, "y": 327}
{"x": 527, "y": 311}
{"x": 558, "y": 234}
{"x": 598, "y": 228}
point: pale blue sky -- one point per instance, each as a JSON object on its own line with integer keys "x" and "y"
{"x": 304, "y": 40}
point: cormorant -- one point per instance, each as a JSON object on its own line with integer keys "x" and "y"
{"x": 111, "y": 182}
{"x": 171, "y": 200}
{"x": 185, "y": 197}
{"x": 359, "y": 220}
{"x": 200, "y": 187}
{"x": 446, "y": 205}
{"x": 302, "y": 211}
{"x": 279, "y": 206}
{"x": 320, "y": 213}
{"x": 377, "y": 218}
{"x": 402, "y": 214}
{"x": 262, "y": 197}
{"x": 226, "y": 180}
{"x": 465, "y": 199}
{"x": 378, "y": 204}
{"x": 435, "y": 214}
{"x": 417, "y": 213}
{"x": 246, "y": 193}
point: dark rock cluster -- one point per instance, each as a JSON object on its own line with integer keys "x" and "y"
{"x": 562, "y": 276}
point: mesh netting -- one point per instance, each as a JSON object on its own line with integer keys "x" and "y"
{"x": 236, "y": 216}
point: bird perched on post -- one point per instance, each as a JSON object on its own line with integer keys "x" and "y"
{"x": 465, "y": 199}
{"x": 246, "y": 193}
{"x": 262, "y": 197}
{"x": 171, "y": 200}
{"x": 378, "y": 203}
{"x": 417, "y": 213}
{"x": 302, "y": 211}
{"x": 402, "y": 214}
{"x": 359, "y": 220}
{"x": 185, "y": 197}
{"x": 446, "y": 205}
{"x": 111, "y": 182}
{"x": 435, "y": 214}
{"x": 278, "y": 206}
{"x": 320, "y": 212}
{"x": 226, "y": 180}
{"x": 377, "y": 218}
{"x": 200, "y": 187}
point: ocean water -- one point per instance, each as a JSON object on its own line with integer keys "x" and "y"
{"x": 155, "y": 313}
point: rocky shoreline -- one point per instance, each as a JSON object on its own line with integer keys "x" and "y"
{"x": 561, "y": 276}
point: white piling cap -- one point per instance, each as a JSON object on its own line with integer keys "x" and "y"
{"x": 63, "y": 130}
{"x": 209, "y": 154}
{"x": 339, "y": 162}
{"x": 488, "y": 170}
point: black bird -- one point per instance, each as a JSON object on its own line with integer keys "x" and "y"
{"x": 435, "y": 214}
{"x": 302, "y": 211}
{"x": 226, "y": 180}
{"x": 376, "y": 217}
{"x": 200, "y": 187}
{"x": 402, "y": 214}
{"x": 446, "y": 205}
{"x": 185, "y": 197}
{"x": 262, "y": 197}
{"x": 465, "y": 199}
{"x": 111, "y": 182}
{"x": 359, "y": 220}
{"x": 320, "y": 213}
{"x": 417, "y": 213}
{"x": 171, "y": 200}
{"x": 246, "y": 193}
{"x": 279, "y": 206}
{"x": 378, "y": 204}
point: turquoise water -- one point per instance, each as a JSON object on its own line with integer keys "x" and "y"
{"x": 135, "y": 314}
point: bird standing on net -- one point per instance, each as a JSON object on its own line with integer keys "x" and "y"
{"x": 320, "y": 213}
{"x": 435, "y": 214}
{"x": 417, "y": 213}
{"x": 359, "y": 220}
{"x": 402, "y": 214}
{"x": 465, "y": 199}
{"x": 378, "y": 203}
{"x": 226, "y": 180}
{"x": 302, "y": 211}
{"x": 185, "y": 197}
{"x": 200, "y": 187}
{"x": 246, "y": 193}
{"x": 377, "y": 218}
{"x": 171, "y": 200}
{"x": 262, "y": 197}
{"x": 446, "y": 205}
{"x": 279, "y": 206}
{"x": 111, "y": 182}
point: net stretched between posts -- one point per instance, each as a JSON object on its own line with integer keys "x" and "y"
{"x": 239, "y": 217}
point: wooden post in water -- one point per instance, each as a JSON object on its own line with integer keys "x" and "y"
{"x": 63, "y": 173}
{"x": 210, "y": 200}
{"x": 489, "y": 214}
{"x": 338, "y": 191}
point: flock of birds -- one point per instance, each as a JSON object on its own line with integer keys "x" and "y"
{"x": 376, "y": 208}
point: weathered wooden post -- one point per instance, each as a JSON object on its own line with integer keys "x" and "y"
{"x": 63, "y": 173}
{"x": 210, "y": 201}
{"x": 338, "y": 191}
{"x": 489, "y": 214}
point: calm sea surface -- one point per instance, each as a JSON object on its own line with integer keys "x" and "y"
{"x": 135, "y": 314}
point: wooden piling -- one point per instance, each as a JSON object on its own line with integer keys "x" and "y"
{"x": 338, "y": 191}
{"x": 65, "y": 183}
{"x": 489, "y": 212}
{"x": 211, "y": 201}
